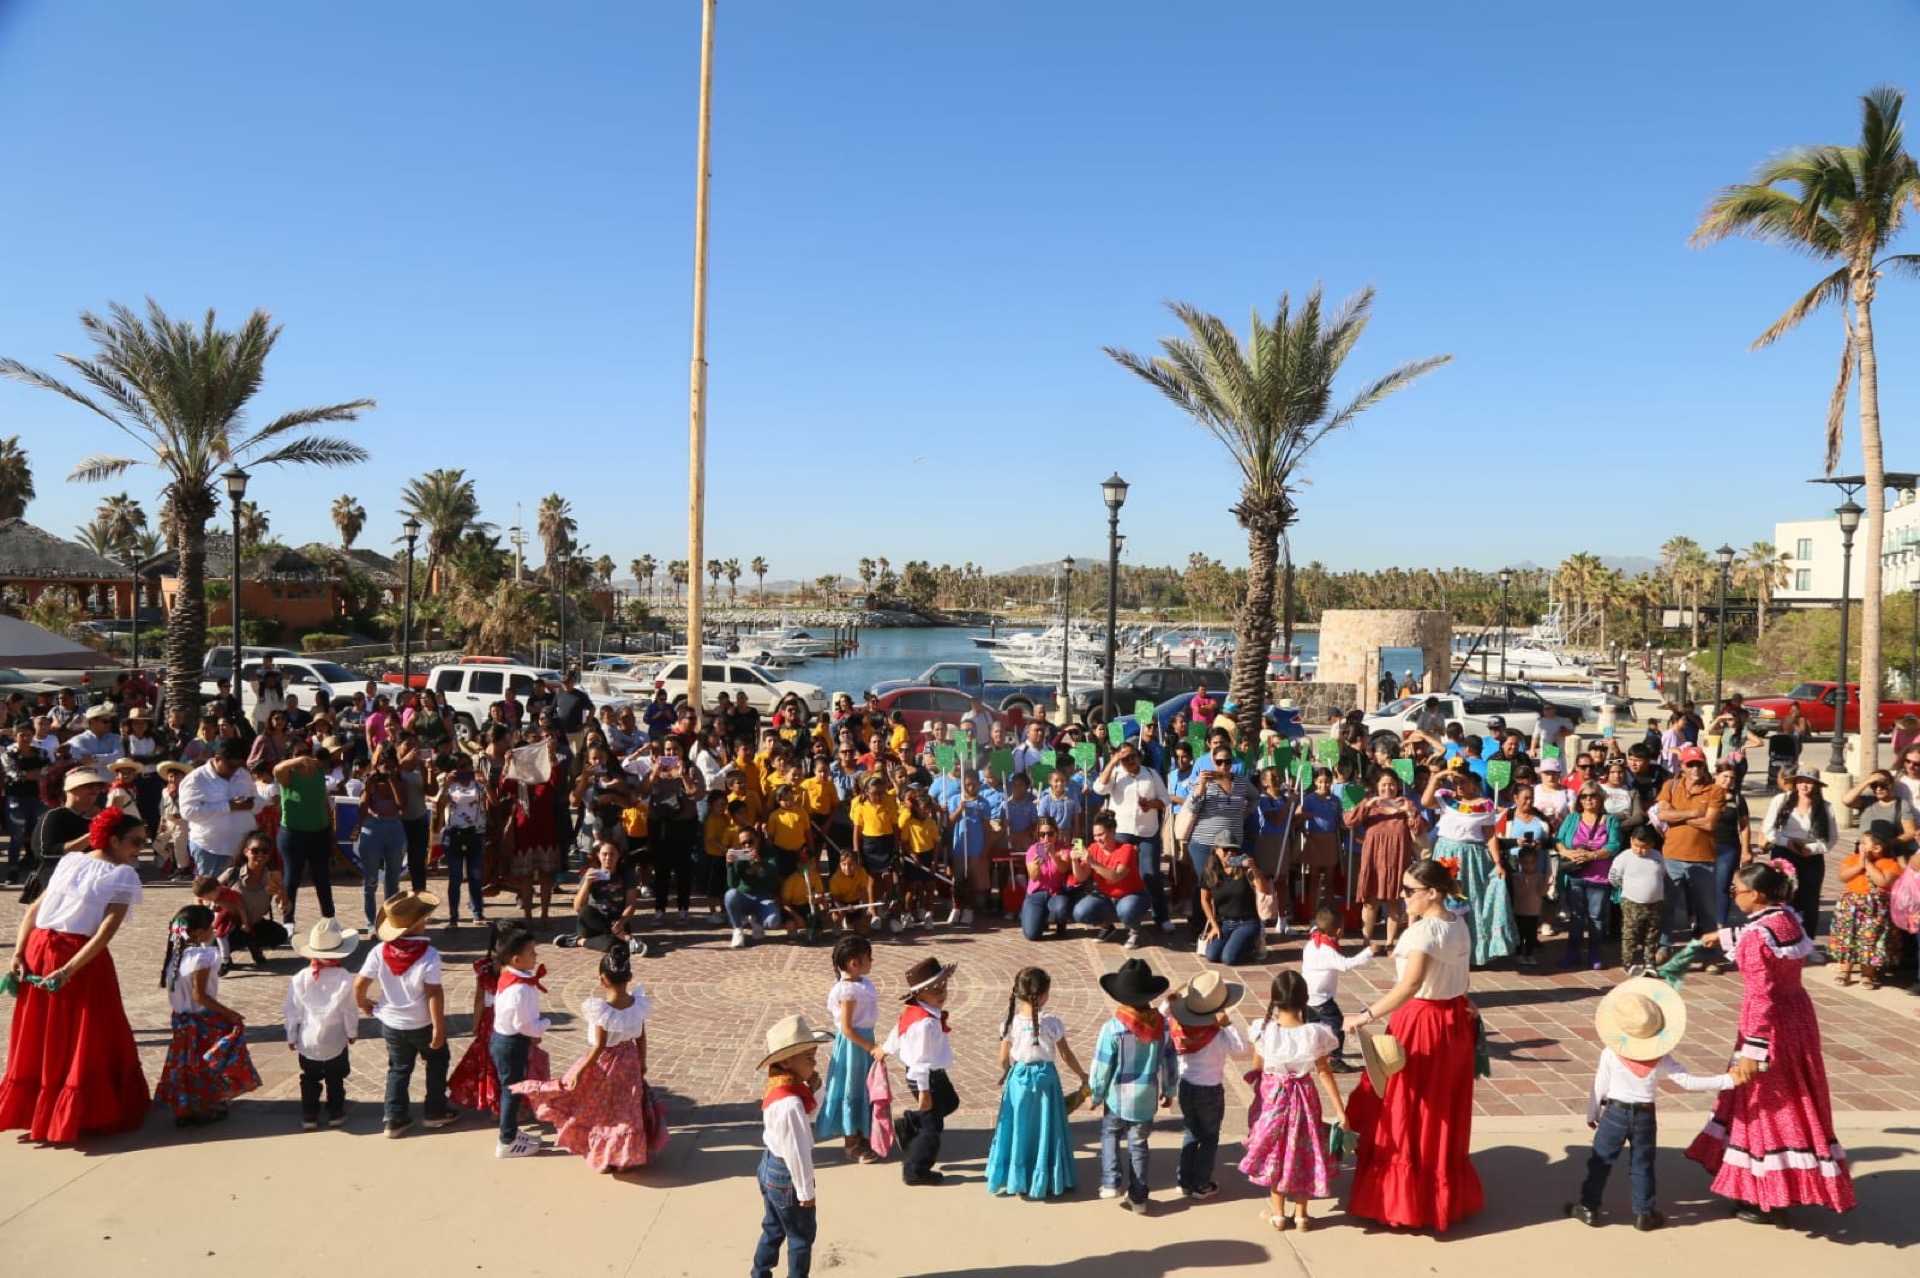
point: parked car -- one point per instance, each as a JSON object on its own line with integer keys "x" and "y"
{"x": 763, "y": 688}
{"x": 1816, "y": 701}
{"x": 468, "y": 688}
{"x": 1284, "y": 721}
{"x": 969, "y": 679}
{"x": 218, "y": 662}
{"x": 1148, "y": 683}
{"x": 318, "y": 681}
{"x": 929, "y": 704}
{"x": 1516, "y": 703}
{"x": 13, "y": 681}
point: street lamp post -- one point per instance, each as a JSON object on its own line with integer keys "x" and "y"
{"x": 236, "y": 480}
{"x": 562, "y": 663}
{"x": 1506, "y": 579}
{"x": 412, "y": 530}
{"x": 133, "y": 610}
{"x": 1725, "y": 556}
{"x": 1115, "y": 490}
{"x": 1849, "y": 515}
{"x": 1066, "y": 636}
{"x": 1913, "y": 642}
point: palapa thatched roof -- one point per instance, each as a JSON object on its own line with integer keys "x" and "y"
{"x": 27, "y": 552}
{"x": 273, "y": 563}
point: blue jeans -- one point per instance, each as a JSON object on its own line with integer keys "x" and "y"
{"x": 1198, "y": 854}
{"x": 464, "y": 849}
{"x": 1236, "y": 944}
{"x": 1112, "y": 1131}
{"x": 404, "y": 1047}
{"x": 1726, "y": 859}
{"x": 382, "y": 847}
{"x": 1621, "y": 1126}
{"x": 1098, "y": 908}
{"x": 1587, "y": 913}
{"x": 1329, "y": 1015}
{"x": 1042, "y": 908}
{"x": 23, "y": 814}
{"x": 1201, "y": 1109}
{"x": 1152, "y": 874}
{"x": 1690, "y": 902}
{"x": 509, "y": 1052}
{"x": 742, "y": 909}
{"x": 784, "y": 1220}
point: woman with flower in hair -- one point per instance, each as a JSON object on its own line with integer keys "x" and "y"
{"x": 1771, "y": 1145}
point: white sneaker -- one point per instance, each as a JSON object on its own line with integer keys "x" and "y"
{"x": 966, "y": 918}
{"x": 520, "y": 1146}
{"x": 953, "y": 918}
{"x": 759, "y": 932}
{"x": 1133, "y": 938}
{"x": 739, "y": 941}
{"x": 1105, "y": 1192}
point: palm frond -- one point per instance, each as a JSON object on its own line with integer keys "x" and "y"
{"x": 317, "y": 450}
{"x": 1837, "y": 405}
{"x": 299, "y": 419}
{"x": 1907, "y": 264}
{"x": 1831, "y": 289}
{"x": 1760, "y": 211}
{"x": 98, "y": 467}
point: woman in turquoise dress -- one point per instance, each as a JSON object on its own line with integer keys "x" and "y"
{"x": 1464, "y": 820}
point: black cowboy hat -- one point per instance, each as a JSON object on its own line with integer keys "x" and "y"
{"x": 1135, "y": 984}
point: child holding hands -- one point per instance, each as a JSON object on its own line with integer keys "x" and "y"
{"x": 1133, "y": 1074}
{"x": 1286, "y": 1146}
{"x": 1032, "y": 1151}
{"x": 322, "y": 1021}
{"x": 207, "y": 1063}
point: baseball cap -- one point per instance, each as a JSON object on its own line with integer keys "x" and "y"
{"x": 1550, "y": 765}
{"x": 1690, "y": 754}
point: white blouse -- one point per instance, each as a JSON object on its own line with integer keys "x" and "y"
{"x": 1464, "y": 827}
{"x": 860, "y": 993}
{"x": 1449, "y": 950}
{"x": 80, "y": 890}
{"x": 1027, "y": 1048}
{"x": 1291, "y": 1049}
{"x": 197, "y": 958}
{"x": 622, "y": 1024}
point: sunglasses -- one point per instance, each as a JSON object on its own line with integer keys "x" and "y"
{"x": 1409, "y": 891}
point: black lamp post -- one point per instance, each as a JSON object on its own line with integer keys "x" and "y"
{"x": 563, "y": 609}
{"x": 1506, "y": 579}
{"x": 133, "y": 611}
{"x": 1913, "y": 641}
{"x": 1725, "y": 556}
{"x": 411, "y": 528}
{"x": 236, "y": 480}
{"x": 1849, "y": 515}
{"x": 1066, "y": 636}
{"x": 1115, "y": 489}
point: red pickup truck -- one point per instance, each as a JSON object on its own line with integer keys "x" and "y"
{"x": 1816, "y": 701}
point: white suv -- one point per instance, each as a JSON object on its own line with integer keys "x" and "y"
{"x": 470, "y": 687}
{"x": 763, "y": 691}
{"x": 322, "y": 684}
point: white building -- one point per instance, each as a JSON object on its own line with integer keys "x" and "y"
{"x": 1813, "y": 555}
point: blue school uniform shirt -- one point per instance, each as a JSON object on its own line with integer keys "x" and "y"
{"x": 1321, "y": 812}
{"x": 1270, "y": 814}
{"x": 970, "y": 818}
{"x": 1063, "y": 812}
{"x": 944, "y": 791}
{"x": 1021, "y": 815}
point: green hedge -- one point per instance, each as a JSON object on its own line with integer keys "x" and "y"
{"x": 320, "y": 641}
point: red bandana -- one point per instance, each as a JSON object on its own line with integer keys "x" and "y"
{"x": 916, "y": 1013}
{"x": 1144, "y": 1023}
{"x": 779, "y": 1091}
{"x": 1317, "y": 937}
{"x": 510, "y": 978}
{"x": 318, "y": 966}
{"x": 1188, "y": 1039}
{"x": 1639, "y": 1069}
{"x": 404, "y": 953}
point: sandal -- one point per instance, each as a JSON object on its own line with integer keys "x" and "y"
{"x": 1870, "y": 982}
{"x": 1300, "y": 1223}
{"x": 1274, "y": 1221}
{"x": 1846, "y": 978}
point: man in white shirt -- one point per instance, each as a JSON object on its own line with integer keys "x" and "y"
{"x": 1551, "y": 730}
{"x": 1139, "y": 800}
{"x": 217, "y": 800}
{"x": 1028, "y": 752}
{"x": 99, "y": 744}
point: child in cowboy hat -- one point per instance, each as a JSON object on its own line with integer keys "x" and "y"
{"x": 786, "y": 1169}
{"x": 1133, "y": 1071}
{"x": 412, "y": 1007}
{"x": 322, "y": 1021}
{"x": 1640, "y": 1021}
{"x": 1203, "y": 1041}
{"x": 920, "y": 1040}
{"x": 170, "y": 843}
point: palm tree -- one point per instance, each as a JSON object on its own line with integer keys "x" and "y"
{"x": 826, "y": 585}
{"x": 181, "y": 393}
{"x": 556, "y": 526}
{"x": 759, "y": 569}
{"x": 16, "y": 478}
{"x": 603, "y": 569}
{"x": 97, "y": 536}
{"x": 731, "y": 570}
{"x": 1269, "y": 403}
{"x": 677, "y": 573}
{"x": 866, "y": 571}
{"x": 124, "y": 520}
{"x": 349, "y": 518}
{"x": 1841, "y": 204}
{"x": 1762, "y": 569}
{"x": 643, "y": 570}
{"x": 253, "y": 526}
{"x": 444, "y": 501}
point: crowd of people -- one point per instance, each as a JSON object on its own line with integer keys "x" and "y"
{"x": 1447, "y": 851}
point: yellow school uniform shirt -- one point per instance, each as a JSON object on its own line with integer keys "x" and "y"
{"x": 899, "y": 738}
{"x": 719, "y": 832}
{"x": 849, "y": 889}
{"x": 821, "y": 796}
{"x": 875, "y": 820}
{"x": 802, "y": 884}
{"x": 787, "y": 828}
{"x": 920, "y": 835}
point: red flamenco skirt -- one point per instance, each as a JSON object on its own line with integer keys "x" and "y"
{"x": 1412, "y": 1168}
{"x": 609, "y": 1116}
{"x": 207, "y": 1066}
{"x": 473, "y": 1084}
{"x": 72, "y": 1068}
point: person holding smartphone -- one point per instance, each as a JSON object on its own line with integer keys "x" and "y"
{"x": 1227, "y": 897}
{"x": 1220, "y": 801}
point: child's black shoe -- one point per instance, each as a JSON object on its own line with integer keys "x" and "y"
{"x": 1584, "y": 1214}
{"x": 1648, "y": 1221}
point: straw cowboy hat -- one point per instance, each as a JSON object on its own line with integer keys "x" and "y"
{"x": 1204, "y": 997}
{"x": 79, "y": 777}
{"x": 1135, "y": 984}
{"x": 791, "y": 1036}
{"x": 1642, "y": 1019}
{"x": 926, "y": 974}
{"x": 403, "y": 911}
{"x": 141, "y": 713}
{"x": 326, "y": 940}
{"x": 1384, "y": 1058}
{"x": 173, "y": 768}
{"x": 126, "y": 765}
{"x": 100, "y": 710}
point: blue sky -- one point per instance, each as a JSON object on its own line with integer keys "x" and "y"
{"x": 927, "y": 221}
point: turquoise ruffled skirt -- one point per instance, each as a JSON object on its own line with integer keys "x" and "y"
{"x": 1032, "y": 1151}
{"x": 845, "y": 1109}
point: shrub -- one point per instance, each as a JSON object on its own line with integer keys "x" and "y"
{"x": 320, "y": 641}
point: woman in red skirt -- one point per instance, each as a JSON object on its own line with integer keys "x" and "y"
{"x": 72, "y": 1068}
{"x": 1770, "y": 1145}
{"x": 1413, "y": 1167}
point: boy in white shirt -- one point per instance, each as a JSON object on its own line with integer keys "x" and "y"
{"x": 404, "y": 970}
{"x": 786, "y": 1170}
{"x": 1204, "y": 1040}
{"x": 920, "y": 1042}
{"x": 1640, "y": 1021}
{"x": 1321, "y": 963}
{"x": 322, "y": 1021}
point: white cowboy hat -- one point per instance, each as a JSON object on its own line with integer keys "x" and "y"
{"x": 79, "y": 777}
{"x": 790, "y": 1036}
{"x": 327, "y": 940}
{"x": 1384, "y": 1058}
{"x": 1204, "y": 997}
{"x": 1642, "y": 1019}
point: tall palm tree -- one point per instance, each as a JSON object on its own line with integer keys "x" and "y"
{"x": 714, "y": 569}
{"x": 254, "y": 525}
{"x": 731, "y": 570}
{"x": 643, "y": 570}
{"x": 124, "y": 520}
{"x": 556, "y": 526}
{"x": 826, "y": 584}
{"x": 97, "y": 536}
{"x": 181, "y": 393}
{"x": 866, "y": 571}
{"x": 1269, "y": 403}
{"x": 16, "y": 478}
{"x": 1763, "y": 569}
{"x": 759, "y": 570}
{"x": 445, "y": 502}
{"x": 677, "y": 574}
{"x": 1841, "y": 204}
{"x": 603, "y": 569}
{"x": 349, "y": 518}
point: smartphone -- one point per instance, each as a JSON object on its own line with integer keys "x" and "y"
{"x": 1238, "y": 862}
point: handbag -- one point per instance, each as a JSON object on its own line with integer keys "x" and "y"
{"x": 1183, "y": 823}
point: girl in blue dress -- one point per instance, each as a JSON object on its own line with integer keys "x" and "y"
{"x": 1032, "y": 1151}
{"x": 853, "y": 1008}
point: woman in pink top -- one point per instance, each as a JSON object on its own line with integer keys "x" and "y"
{"x": 1050, "y": 890}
